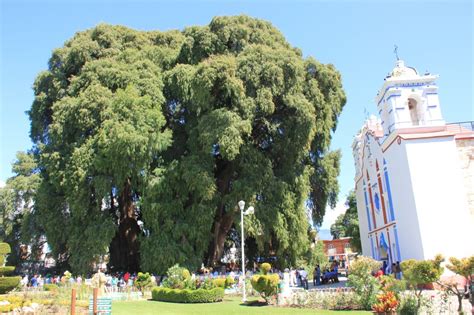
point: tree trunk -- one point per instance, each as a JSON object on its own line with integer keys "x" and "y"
{"x": 221, "y": 228}
{"x": 124, "y": 249}
{"x": 222, "y": 220}
{"x": 460, "y": 296}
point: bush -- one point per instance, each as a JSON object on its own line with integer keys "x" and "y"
{"x": 8, "y": 283}
{"x": 7, "y": 270}
{"x": 418, "y": 273}
{"x": 337, "y": 300}
{"x": 187, "y": 296}
{"x": 143, "y": 281}
{"x": 219, "y": 282}
{"x": 229, "y": 281}
{"x": 390, "y": 284}
{"x": 266, "y": 285}
{"x": 223, "y": 282}
{"x": 387, "y": 302}
{"x": 206, "y": 284}
{"x": 409, "y": 305}
{"x": 364, "y": 283}
{"x": 8, "y": 308}
{"x": 177, "y": 277}
{"x": 51, "y": 287}
{"x": 4, "y": 248}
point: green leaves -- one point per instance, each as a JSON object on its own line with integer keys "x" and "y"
{"x": 223, "y": 132}
{"x": 174, "y": 128}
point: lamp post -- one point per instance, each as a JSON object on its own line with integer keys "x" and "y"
{"x": 249, "y": 210}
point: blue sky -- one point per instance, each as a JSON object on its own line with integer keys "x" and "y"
{"x": 356, "y": 36}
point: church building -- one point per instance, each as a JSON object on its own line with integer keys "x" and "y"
{"x": 414, "y": 177}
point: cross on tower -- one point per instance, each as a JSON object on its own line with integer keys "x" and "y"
{"x": 395, "y": 51}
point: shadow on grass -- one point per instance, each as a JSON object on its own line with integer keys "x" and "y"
{"x": 254, "y": 303}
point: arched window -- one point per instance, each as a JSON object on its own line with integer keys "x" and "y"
{"x": 413, "y": 107}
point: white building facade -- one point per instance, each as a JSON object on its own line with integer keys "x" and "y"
{"x": 414, "y": 177}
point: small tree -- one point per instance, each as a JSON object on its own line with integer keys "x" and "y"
{"x": 362, "y": 280}
{"x": 419, "y": 273}
{"x": 143, "y": 281}
{"x": 6, "y": 283}
{"x": 463, "y": 267}
{"x": 264, "y": 283}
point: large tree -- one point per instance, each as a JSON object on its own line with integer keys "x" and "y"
{"x": 251, "y": 120}
{"x": 18, "y": 224}
{"x": 173, "y": 129}
{"x": 98, "y": 129}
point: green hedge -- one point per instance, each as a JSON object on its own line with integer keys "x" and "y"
{"x": 7, "y": 270}
{"x": 8, "y": 283}
{"x": 187, "y": 296}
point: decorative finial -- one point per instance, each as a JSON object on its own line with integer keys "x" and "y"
{"x": 395, "y": 51}
{"x": 366, "y": 113}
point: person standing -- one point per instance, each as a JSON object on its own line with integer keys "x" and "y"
{"x": 24, "y": 281}
{"x": 398, "y": 271}
{"x": 34, "y": 281}
{"x": 317, "y": 276}
{"x": 292, "y": 277}
{"x": 303, "y": 278}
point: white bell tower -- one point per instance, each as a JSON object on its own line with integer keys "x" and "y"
{"x": 408, "y": 100}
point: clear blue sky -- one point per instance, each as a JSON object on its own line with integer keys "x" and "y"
{"x": 356, "y": 36}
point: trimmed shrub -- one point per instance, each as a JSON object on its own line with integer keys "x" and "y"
{"x": 223, "y": 282}
{"x": 265, "y": 268}
{"x": 143, "y": 281}
{"x": 229, "y": 281}
{"x": 266, "y": 285}
{"x": 187, "y": 296}
{"x": 177, "y": 277}
{"x": 7, "y": 270}
{"x": 5, "y": 249}
{"x": 51, "y": 287}
{"x": 8, "y": 283}
{"x": 219, "y": 282}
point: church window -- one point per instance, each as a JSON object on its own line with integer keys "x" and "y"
{"x": 413, "y": 107}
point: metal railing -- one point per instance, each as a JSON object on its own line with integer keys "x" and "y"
{"x": 463, "y": 126}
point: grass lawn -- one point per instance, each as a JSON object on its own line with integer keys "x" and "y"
{"x": 228, "y": 306}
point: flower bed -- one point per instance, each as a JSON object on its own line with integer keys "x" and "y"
{"x": 187, "y": 295}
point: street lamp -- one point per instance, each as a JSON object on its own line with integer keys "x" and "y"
{"x": 249, "y": 210}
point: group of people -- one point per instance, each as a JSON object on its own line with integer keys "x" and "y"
{"x": 116, "y": 282}
{"x": 38, "y": 281}
{"x": 386, "y": 269}
{"x": 329, "y": 275}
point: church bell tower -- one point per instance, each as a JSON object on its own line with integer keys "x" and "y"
{"x": 408, "y": 100}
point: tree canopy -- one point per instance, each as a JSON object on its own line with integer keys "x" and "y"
{"x": 347, "y": 223}
{"x": 146, "y": 141}
{"x": 17, "y": 199}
